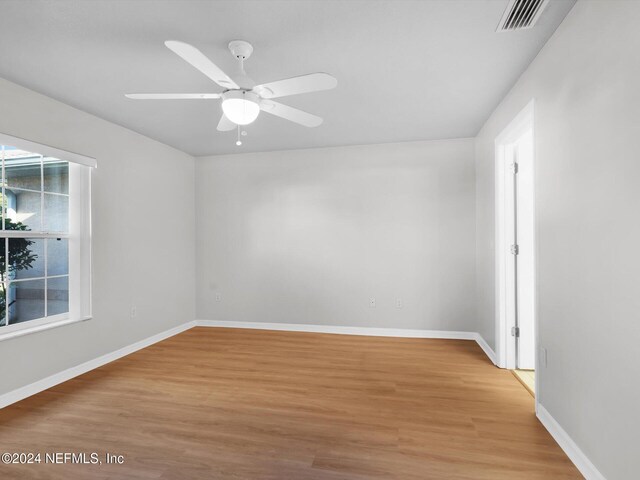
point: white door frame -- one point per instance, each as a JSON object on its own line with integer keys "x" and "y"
{"x": 505, "y": 346}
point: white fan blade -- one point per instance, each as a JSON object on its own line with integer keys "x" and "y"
{"x": 198, "y": 60}
{"x": 290, "y": 113}
{"x": 172, "y": 96}
{"x": 225, "y": 125}
{"x": 313, "y": 82}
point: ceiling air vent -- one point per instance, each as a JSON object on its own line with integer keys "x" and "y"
{"x": 521, "y": 14}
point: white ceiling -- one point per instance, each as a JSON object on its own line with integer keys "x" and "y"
{"x": 406, "y": 70}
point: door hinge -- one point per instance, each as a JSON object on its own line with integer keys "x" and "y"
{"x": 515, "y": 249}
{"x": 515, "y": 331}
{"x": 514, "y": 167}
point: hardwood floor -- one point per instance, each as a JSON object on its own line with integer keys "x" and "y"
{"x": 216, "y": 403}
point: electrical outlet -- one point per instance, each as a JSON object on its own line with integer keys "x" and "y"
{"x": 543, "y": 357}
{"x": 399, "y": 303}
{"x": 218, "y": 297}
{"x": 372, "y": 302}
{"x": 134, "y": 311}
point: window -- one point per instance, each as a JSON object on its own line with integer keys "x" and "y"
{"x": 45, "y": 271}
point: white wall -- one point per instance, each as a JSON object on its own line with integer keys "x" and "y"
{"x": 143, "y": 213}
{"x": 587, "y": 138}
{"x": 308, "y": 236}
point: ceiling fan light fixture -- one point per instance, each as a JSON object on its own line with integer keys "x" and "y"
{"x": 240, "y": 106}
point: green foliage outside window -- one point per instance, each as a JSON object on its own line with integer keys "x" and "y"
{"x": 20, "y": 258}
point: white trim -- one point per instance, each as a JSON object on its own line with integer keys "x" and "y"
{"x": 80, "y": 242}
{"x": 518, "y": 126}
{"x": 486, "y": 348}
{"x": 37, "y": 325}
{"x": 577, "y": 456}
{"x": 505, "y": 349}
{"x": 47, "y": 150}
{"x": 365, "y": 331}
{"x": 342, "y": 330}
{"x": 32, "y": 234}
{"x": 68, "y": 374}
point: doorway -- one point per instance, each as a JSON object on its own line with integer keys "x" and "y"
{"x": 515, "y": 247}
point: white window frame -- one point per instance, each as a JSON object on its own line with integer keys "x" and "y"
{"x": 78, "y": 235}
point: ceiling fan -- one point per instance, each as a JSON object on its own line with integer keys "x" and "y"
{"x": 242, "y": 99}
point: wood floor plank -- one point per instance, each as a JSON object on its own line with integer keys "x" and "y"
{"x": 215, "y": 403}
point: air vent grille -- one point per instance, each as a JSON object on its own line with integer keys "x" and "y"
{"x": 521, "y": 14}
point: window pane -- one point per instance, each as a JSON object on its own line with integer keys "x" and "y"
{"x": 23, "y": 210}
{"x": 25, "y": 301}
{"x": 8, "y": 201}
{"x": 26, "y": 258}
{"x": 22, "y": 169}
{"x": 3, "y": 285}
{"x": 57, "y": 256}
{"x": 56, "y": 213}
{"x": 3, "y": 301}
{"x": 56, "y": 175}
{"x": 57, "y": 295}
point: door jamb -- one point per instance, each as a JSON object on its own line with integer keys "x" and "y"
{"x": 512, "y": 132}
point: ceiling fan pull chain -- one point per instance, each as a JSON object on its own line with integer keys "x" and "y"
{"x": 238, "y": 142}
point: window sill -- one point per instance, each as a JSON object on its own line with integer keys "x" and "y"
{"x": 41, "y": 328}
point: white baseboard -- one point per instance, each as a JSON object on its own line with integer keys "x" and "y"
{"x": 57, "y": 378}
{"x": 572, "y": 450}
{"x": 486, "y": 348}
{"x": 342, "y": 330}
{"x": 365, "y": 331}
